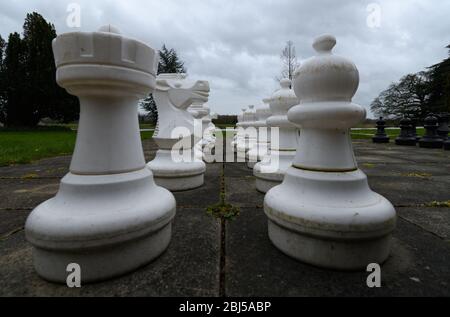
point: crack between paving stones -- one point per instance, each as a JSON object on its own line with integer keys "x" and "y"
{"x": 420, "y": 227}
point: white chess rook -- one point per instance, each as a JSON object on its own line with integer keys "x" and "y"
{"x": 108, "y": 215}
{"x": 176, "y": 168}
{"x": 324, "y": 212}
{"x": 270, "y": 171}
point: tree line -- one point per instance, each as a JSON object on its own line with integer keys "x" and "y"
{"x": 416, "y": 95}
{"x": 28, "y": 88}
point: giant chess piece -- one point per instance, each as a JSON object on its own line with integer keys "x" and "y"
{"x": 405, "y": 137}
{"x": 381, "y": 136}
{"x": 261, "y": 148}
{"x": 270, "y": 171}
{"x": 176, "y": 166}
{"x": 237, "y": 139}
{"x": 244, "y": 131}
{"x": 431, "y": 139}
{"x": 108, "y": 216}
{"x": 324, "y": 212}
{"x": 443, "y": 129}
{"x": 198, "y": 112}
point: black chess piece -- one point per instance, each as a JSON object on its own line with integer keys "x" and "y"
{"x": 431, "y": 138}
{"x": 380, "y": 136}
{"x": 443, "y": 129}
{"x": 405, "y": 137}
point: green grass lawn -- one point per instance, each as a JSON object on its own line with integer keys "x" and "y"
{"x": 21, "y": 147}
{"x": 369, "y": 133}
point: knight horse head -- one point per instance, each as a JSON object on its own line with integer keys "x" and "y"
{"x": 173, "y": 95}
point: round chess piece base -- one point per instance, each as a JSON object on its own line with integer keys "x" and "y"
{"x": 107, "y": 224}
{"x": 270, "y": 173}
{"x": 177, "y": 176}
{"x": 330, "y": 220}
{"x": 430, "y": 143}
{"x": 447, "y": 145}
{"x": 380, "y": 139}
{"x": 406, "y": 141}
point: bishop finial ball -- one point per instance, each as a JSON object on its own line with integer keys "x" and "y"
{"x": 324, "y": 43}
{"x": 109, "y": 29}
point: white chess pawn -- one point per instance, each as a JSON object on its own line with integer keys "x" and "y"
{"x": 245, "y": 130}
{"x": 239, "y": 135}
{"x": 108, "y": 216}
{"x": 261, "y": 148}
{"x": 270, "y": 171}
{"x": 324, "y": 212}
{"x": 175, "y": 165}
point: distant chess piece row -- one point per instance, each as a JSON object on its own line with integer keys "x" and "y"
{"x": 436, "y": 132}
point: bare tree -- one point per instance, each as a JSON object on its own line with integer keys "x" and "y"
{"x": 289, "y": 60}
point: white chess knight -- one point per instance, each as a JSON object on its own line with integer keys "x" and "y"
{"x": 270, "y": 171}
{"x": 176, "y": 166}
{"x": 261, "y": 148}
{"x": 108, "y": 215}
{"x": 324, "y": 212}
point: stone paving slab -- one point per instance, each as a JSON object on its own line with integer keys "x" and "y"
{"x": 55, "y": 167}
{"x": 12, "y": 221}
{"x": 26, "y": 193}
{"x": 250, "y": 264}
{"x": 418, "y": 265}
{"x": 189, "y": 267}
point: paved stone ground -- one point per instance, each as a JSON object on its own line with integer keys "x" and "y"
{"x": 214, "y": 257}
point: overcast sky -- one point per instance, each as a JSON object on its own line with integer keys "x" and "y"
{"x": 236, "y": 45}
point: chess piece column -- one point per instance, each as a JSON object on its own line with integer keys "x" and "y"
{"x": 176, "y": 166}
{"x": 381, "y": 136}
{"x": 405, "y": 137}
{"x": 431, "y": 139}
{"x": 270, "y": 172}
{"x": 261, "y": 148}
{"x": 324, "y": 212}
{"x": 108, "y": 216}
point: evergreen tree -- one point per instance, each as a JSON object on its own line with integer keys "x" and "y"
{"x": 169, "y": 62}
{"x": 14, "y": 81}
{"x": 2, "y": 80}
{"x": 29, "y": 83}
{"x": 439, "y": 100}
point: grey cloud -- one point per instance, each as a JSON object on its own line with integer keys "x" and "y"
{"x": 236, "y": 43}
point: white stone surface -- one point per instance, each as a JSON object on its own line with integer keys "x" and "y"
{"x": 270, "y": 171}
{"x": 173, "y": 95}
{"x": 108, "y": 215}
{"x": 261, "y": 148}
{"x": 324, "y": 212}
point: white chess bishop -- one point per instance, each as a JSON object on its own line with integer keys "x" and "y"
{"x": 261, "y": 148}
{"x": 176, "y": 166}
{"x": 108, "y": 216}
{"x": 270, "y": 171}
{"x": 324, "y": 212}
